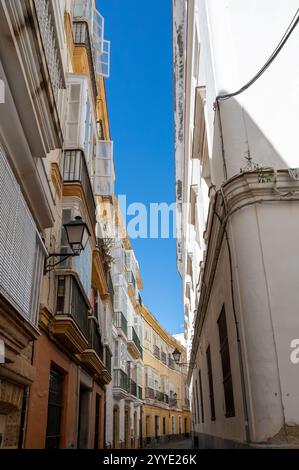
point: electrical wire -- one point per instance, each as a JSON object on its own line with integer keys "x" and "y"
{"x": 282, "y": 42}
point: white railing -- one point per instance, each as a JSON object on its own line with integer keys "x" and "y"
{"x": 120, "y": 300}
{"x": 22, "y": 252}
{"x": 47, "y": 26}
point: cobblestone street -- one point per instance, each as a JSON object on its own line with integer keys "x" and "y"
{"x": 181, "y": 444}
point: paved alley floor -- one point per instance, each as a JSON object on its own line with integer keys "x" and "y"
{"x": 182, "y": 444}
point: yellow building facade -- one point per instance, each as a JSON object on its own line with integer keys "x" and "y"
{"x": 166, "y": 411}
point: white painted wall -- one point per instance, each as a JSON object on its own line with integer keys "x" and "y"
{"x": 236, "y": 38}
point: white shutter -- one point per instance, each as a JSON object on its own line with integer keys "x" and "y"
{"x": 123, "y": 357}
{"x": 22, "y": 252}
{"x": 120, "y": 300}
{"x": 72, "y": 118}
{"x": 104, "y": 169}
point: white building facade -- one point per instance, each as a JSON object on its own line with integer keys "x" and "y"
{"x": 124, "y": 394}
{"x": 237, "y": 201}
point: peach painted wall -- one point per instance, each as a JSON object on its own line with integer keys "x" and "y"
{"x": 46, "y": 353}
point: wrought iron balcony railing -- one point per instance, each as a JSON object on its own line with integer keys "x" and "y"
{"x": 47, "y": 25}
{"x": 108, "y": 359}
{"x": 75, "y": 171}
{"x": 71, "y": 302}
{"x": 121, "y": 322}
{"x": 149, "y": 393}
{"x": 163, "y": 357}
{"x": 134, "y": 337}
{"x": 95, "y": 341}
{"x": 120, "y": 379}
{"x": 159, "y": 396}
{"x": 132, "y": 387}
{"x": 81, "y": 37}
{"x": 173, "y": 401}
{"x": 156, "y": 352}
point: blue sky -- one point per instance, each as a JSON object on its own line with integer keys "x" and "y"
{"x": 140, "y": 105}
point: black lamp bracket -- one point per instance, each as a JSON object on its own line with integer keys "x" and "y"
{"x": 64, "y": 256}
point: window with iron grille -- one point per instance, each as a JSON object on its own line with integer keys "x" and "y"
{"x": 226, "y": 369}
{"x": 197, "y": 401}
{"x": 211, "y": 386}
{"x": 55, "y": 409}
{"x": 201, "y": 397}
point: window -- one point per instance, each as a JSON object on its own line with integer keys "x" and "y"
{"x": 196, "y": 57}
{"x": 147, "y": 426}
{"x": 55, "y": 409}
{"x": 164, "y": 426}
{"x": 172, "y": 425}
{"x": 226, "y": 370}
{"x": 201, "y": 397}
{"x": 211, "y": 387}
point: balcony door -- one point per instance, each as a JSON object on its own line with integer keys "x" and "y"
{"x": 55, "y": 410}
{"x": 84, "y": 416}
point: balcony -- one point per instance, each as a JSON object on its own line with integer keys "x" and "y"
{"x": 47, "y": 26}
{"x": 132, "y": 388}
{"x": 159, "y": 396}
{"x": 131, "y": 279}
{"x": 121, "y": 322}
{"x": 93, "y": 357}
{"x": 164, "y": 358}
{"x": 82, "y": 38}
{"x": 173, "y": 402}
{"x": 134, "y": 345}
{"x": 100, "y": 48}
{"x": 149, "y": 393}
{"x": 108, "y": 359}
{"x": 187, "y": 403}
{"x": 71, "y": 323}
{"x": 120, "y": 384}
{"x": 156, "y": 352}
{"x": 77, "y": 181}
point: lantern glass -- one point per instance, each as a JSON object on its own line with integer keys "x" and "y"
{"x": 176, "y": 356}
{"x": 77, "y": 234}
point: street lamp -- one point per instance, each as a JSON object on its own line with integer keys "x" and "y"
{"x": 177, "y": 356}
{"x": 77, "y": 234}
